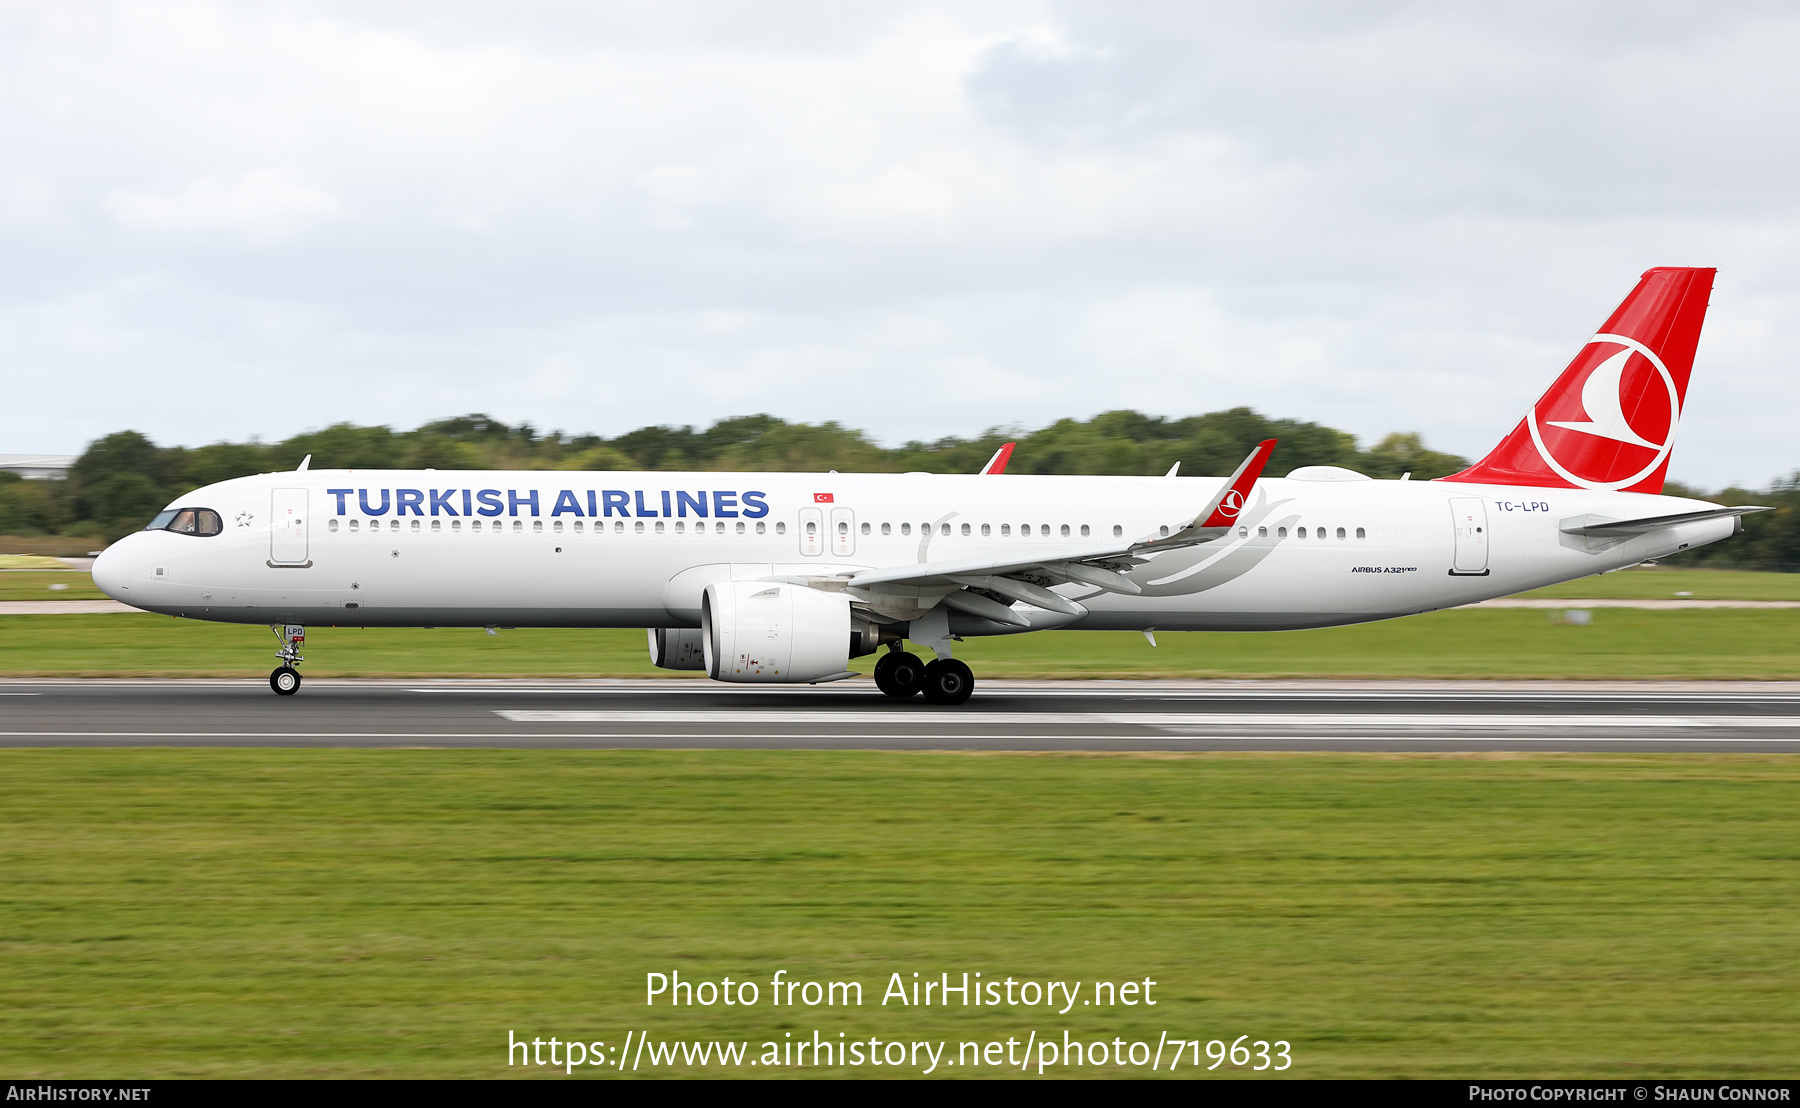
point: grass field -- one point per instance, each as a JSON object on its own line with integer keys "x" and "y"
{"x": 36, "y": 585}
{"x": 1492, "y": 643}
{"x": 274, "y": 913}
{"x": 1669, "y": 584}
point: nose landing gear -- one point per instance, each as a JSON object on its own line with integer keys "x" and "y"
{"x": 286, "y": 679}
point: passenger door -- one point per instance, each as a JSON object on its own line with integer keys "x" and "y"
{"x": 287, "y": 527}
{"x": 1471, "y": 556}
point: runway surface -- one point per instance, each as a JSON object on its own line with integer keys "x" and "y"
{"x": 1004, "y": 715}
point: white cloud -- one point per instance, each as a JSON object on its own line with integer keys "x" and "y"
{"x": 262, "y": 205}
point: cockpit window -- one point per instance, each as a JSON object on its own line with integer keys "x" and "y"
{"x": 188, "y": 521}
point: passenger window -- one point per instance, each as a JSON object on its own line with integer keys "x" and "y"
{"x": 865, "y": 528}
{"x": 680, "y": 527}
{"x": 557, "y": 526}
{"x": 780, "y": 528}
{"x": 1084, "y": 530}
{"x": 812, "y": 528}
{"x": 906, "y": 528}
{"x": 659, "y": 526}
{"x": 965, "y": 530}
{"x": 353, "y": 525}
{"x": 887, "y": 528}
{"x": 393, "y": 525}
{"x": 986, "y": 530}
{"x": 1301, "y": 533}
{"x": 536, "y": 525}
{"x": 740, "y": 527}
{"x": 1164, "y": 532}
{"x": 436, "y": 524}
{"x": 1281, "y": 532}
{"x": 332, "y": 526}
{"x": 946, "y": 530}
{"x": 619, "y": 527}
{"x": 1243, "y": 532}
{"x": 1065, "y": 530}
{"x": 1005, "y": 530}
{"x": 1262, "y": 532}
{"x": 843, "y": 528}
{"x": 639, "y": 527}
{"x": 456, "y": 525}
{"x": 718, "y": 527}
{"x": 1340, "y": 532}
{"x": 1118, "y": 530}
{"x": 415, "y": 525}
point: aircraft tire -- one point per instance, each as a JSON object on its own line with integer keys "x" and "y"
{"x": 901, "y": 676}
{"x": 285, "y": 681}
{"x": 948, "y": 681}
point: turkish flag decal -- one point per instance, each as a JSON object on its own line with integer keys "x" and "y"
{"x": 821, "y": 498}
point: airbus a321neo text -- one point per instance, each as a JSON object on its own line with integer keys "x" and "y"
{"x": 783, "y": 578}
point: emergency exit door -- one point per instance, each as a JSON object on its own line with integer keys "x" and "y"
{"x": 287, "y": 527}
{"x": 1471, "y": 555}
{"x": 843, "y": 532}
{"x": 812, "y": 527}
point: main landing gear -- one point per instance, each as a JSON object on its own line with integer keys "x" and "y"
{"x": 286, "y": 679}
{"x": 944, "y": 681}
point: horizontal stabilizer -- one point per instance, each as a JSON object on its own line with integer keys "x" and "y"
{"x": 1602, "y": 527}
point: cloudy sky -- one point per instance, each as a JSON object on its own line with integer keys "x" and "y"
{"x": 220, "y": 220}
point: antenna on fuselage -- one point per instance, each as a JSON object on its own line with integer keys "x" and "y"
{"x": 304, "y": 462}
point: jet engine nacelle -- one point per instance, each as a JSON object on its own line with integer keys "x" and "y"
{"x": 676, "y": 648}
{"x": 758, "y": 631}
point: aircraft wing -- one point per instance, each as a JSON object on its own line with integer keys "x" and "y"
{"x": 997, "y": 464}
{"x": 1023, "y": 576}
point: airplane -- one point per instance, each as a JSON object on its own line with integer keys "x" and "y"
{"x": 783, "y": 578}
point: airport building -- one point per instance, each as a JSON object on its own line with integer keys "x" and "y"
{"x": 37, "y": 467}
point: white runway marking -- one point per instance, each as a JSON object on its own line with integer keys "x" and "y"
{"x": 431, "y": 738}
{"x": 1224, "y": 721}
{"x": 1101, "y": 691}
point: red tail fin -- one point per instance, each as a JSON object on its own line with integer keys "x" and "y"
{"x": 1609, "y": 421}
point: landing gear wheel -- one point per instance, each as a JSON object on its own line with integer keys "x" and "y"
{"x": 948, "y": 681}
{"x": 900, "y": 675}
{"x": 285, "y": 681}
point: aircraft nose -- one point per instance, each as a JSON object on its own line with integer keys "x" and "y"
{"x": 110, "y": 573}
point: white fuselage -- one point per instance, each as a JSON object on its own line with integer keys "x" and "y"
{"x": 556, "y": 549}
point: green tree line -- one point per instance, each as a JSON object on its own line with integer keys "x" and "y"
{"x": 125, "y": 478}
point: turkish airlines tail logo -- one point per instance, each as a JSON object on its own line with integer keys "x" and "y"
{"x": 1609, "y": 420}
